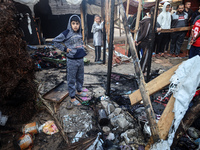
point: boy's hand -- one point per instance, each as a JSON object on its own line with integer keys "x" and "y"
{"x": 68, "y": 50}
{"x": 84, "y": 46}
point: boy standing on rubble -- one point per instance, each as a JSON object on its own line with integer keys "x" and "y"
{"x": 74, "y": 48}
{"x": 97, "y": 37}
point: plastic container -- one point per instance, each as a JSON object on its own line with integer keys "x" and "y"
{"x": 25, "y": 141}
{"x": 30, "y": 128}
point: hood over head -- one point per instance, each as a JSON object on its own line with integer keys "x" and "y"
{"x": 165, "y": 5}
{"x": 69, "y": 27}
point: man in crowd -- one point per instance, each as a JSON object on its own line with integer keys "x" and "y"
{"x": 188, "y": 10}
{"x": 179, "y": 19}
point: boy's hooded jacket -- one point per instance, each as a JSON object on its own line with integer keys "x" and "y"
{"x": 164, "y": 18}
{"x": 72, "y": 40}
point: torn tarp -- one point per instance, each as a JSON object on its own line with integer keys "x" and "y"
{"x": 184, "y": 84}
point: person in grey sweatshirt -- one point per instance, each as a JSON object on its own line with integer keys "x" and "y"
{"x": 179, "y": 19}
{"x": 97, "y": 37}
{"x": 70, "y": 41}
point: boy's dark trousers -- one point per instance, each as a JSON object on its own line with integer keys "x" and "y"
{"x": 75, "y": 75}
{"x": 177, "y": 39}
{"x": 97, "y": 53}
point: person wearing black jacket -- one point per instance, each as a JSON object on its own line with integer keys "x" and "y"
{"x": 195, "y": 14}
{"x": 143, "y": 37}
{"x": 188, "y": 11}
{"x": 179, "y": 19}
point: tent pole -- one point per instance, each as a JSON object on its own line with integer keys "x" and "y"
{"x": 127, "y": 9}
{"x": 138, "y": 17}
{"x": 110, "y": 47}
{"x": 142, "y": 85}
{"x": 104, "y": 30}
{"x": 82, "y": 21}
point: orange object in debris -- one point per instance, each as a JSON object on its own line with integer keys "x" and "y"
{"x": 25, "y": 141}
{"x": 30, "y": 128}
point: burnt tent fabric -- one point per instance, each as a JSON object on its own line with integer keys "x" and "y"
{"x": 27, "y": 24}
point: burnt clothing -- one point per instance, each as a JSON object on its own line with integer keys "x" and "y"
{"x": 179, "y": 20}
{"x": 177, "y": 39}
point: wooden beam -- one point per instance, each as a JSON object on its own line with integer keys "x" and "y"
{"x": 127, "y": 7}
{"x": 104, "y": 30}
{"x": 154, "y": 85}
{"x": 138, "y": 16}
{"x": 176, "y": 29}
{"x": 166, "y": 119}
{"x": 142, "y": 85}
{"x": 165, "y": 122}
{"x": 82, "y": 21}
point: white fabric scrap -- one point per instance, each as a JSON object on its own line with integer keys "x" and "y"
{"x": 73, "y": 2}
{"x": 185, "y": 82}
{"x": 97, "y": 142}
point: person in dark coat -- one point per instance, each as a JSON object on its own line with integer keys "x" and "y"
{"x": 195, "y": 14}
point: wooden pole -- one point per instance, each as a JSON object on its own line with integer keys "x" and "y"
{"x": 107, "y": 20}
{"x": 110, "y": 47}
{"x": 82, "y": 21}
{"x": 120, "y": 33}
{"x": 138, "y": 17}
{"x": 141, "y": 82}
{"x": 127, "y": 9}
{"x": 104, "y": 30}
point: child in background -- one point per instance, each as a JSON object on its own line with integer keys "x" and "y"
{"x": 97, "y": 37}
{"x": 73, "y": 45}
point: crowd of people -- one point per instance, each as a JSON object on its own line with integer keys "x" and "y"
{"x": 182, "y": 17}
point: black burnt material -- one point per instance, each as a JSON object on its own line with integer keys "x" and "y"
{"x": 17, "y": 88}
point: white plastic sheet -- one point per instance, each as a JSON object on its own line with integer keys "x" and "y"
{"x": 186, "y": 80}
{"x": 73, "y": 2}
